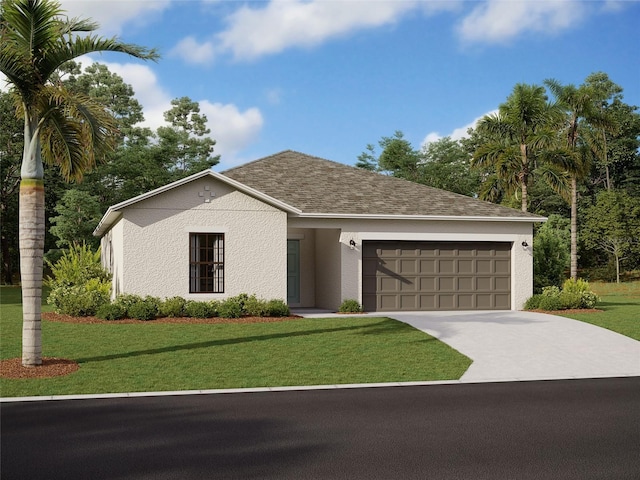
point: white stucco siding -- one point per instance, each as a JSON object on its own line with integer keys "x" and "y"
{"x": 328, "y": 268}
{"x": 111, "y": 252}
{"x": 307, "y": 239}
{"x": 156, "y": 241}
{"x": 360, "y": 230}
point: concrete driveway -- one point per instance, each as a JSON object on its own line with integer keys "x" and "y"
{"x": 515, "y": 345}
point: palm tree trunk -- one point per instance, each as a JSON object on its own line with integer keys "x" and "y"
{"x": 574, "y": 227}
{"x": 31, "y": 233}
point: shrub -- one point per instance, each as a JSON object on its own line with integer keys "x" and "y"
{"x": 231, "y": 307}
{"x": 111, "y": 311}
{"x": 533, "y": 303}
{"x": 126, "y": 301}
{"x": 172, "y": 307}
{"x": 350, "y": 306}
{"x": 76, "y": 266}
{"x": 570, "y": 300}
{"x": 255, "y": 307}
{"x": 277, "y": 308}
{"x": 144, "y": 309}
{"x": 550, "y": 303}
{"x": 195, "y": 309}
{"x": 580, "y": 288}
{"x": 551, "y": 291}
{"x": 80, "y": 300}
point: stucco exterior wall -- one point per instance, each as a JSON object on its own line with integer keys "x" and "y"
{"x": 328, "y": 268}
{"x": 429, "y": 230}
{"x": 155, "y": 250}
{"x": 111, "y": 248}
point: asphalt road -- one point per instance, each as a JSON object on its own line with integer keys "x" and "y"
{"x": 561, "y": 429}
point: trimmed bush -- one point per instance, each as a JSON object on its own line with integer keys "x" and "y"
{"x": 550, "y": 303}
{"x": 145, "y": 309}
{"x": 111, "y": 311}
{"x": 255, "y": 307}
{"x": 277, "y": 308}
{"x": 79, "y": 300}
{"x": 172, "y": 307}
{"x": 194, "y": 309}
{"x": 350, "y": 306}
{"x": 533, "y": 303}
{"x": 231, "y": 307}
{"x": 127, "y": 300}
{"x": 570, "y": 300}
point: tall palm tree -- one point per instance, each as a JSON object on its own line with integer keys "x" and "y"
{"x": 61, "y": 128}
{"x": 516, "y": 138}
{"x": 582, "y": 112}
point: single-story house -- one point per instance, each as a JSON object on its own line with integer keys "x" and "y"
{"x": 316, "y": 232}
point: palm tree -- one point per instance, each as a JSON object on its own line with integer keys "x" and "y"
{"x": 581, "y": 108}
{"x": 516, "y": 138}
{"x": 61, "y": 128}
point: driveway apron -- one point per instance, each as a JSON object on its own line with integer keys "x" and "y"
{"x": 514, "y": 345}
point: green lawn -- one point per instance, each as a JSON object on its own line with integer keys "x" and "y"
{"x": 620, "y": 305}
{"x": 159, "y": 357}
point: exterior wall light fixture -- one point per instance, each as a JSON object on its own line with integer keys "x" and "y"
{"x": 352, "y": 244}
{"x": 525, "y": 244}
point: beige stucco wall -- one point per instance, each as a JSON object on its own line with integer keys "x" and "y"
{"x": 350, "y": 273}
{"x": 155, "y": 247}
{"x": 328, "y": 269}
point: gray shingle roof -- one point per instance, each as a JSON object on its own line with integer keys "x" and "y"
{"x": 315, "y": 185}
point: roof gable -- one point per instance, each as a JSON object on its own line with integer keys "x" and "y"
{"x": 318, "y": 186}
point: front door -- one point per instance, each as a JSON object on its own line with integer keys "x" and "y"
{"x": 293, "y": 272}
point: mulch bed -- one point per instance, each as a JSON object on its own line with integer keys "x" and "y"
{"x": 57, "y": 317}
{"x": 51, "y": 367}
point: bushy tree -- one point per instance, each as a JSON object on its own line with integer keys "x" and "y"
{"x": 79, "y": 215}
{"x": 612, "y": 224}
{"x": 551, "y": 253}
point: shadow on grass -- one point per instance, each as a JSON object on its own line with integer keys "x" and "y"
{"x": 384, "y": 327}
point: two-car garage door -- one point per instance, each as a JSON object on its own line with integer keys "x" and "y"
{"x": 407, "y": 275}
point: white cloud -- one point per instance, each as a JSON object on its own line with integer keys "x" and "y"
{"x": 232, "y": 128}
{"x": 254, "y": 32}
{"x": 193, "y": 52}
{"x": 497, "y": 21}
{"x": 114, "y": 15}
{"x": 457, "y": 133}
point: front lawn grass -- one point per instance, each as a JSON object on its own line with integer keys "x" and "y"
{"x": 166, "y": 357}
{"x": 620, "y": 307}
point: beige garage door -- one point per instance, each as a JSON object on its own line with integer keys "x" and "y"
{"x": 402, "y": 275}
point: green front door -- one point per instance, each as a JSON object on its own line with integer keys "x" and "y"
{"x": 293, "y": 271}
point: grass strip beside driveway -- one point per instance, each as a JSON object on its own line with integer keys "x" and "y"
{"x": 166, "y": 357}
{"x": 620, "y": 307}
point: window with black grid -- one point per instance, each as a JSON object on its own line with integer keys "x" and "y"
{"x": 206, "y": 263}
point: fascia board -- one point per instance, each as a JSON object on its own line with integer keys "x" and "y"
{"x": 364, "y": 216}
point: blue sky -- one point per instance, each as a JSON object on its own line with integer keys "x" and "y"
{"x": 328, "y": 77}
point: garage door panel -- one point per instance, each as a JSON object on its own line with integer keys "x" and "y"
{"x": 446, "y": 266}
{"x": 502, "y": 266}
{"x": 404, "y": 275}
{"x": 446, "y": 284}
{"x": 484, "y": 266}
{"x": 428, "y": 266}
{"x": 502, "y": 284}
{"x": 466, "y": 302}
{"x": 465, "y": 284}
{"x": 465, "y": 266}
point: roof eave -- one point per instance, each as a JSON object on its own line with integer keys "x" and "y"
{"x": 366, "y": 216}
